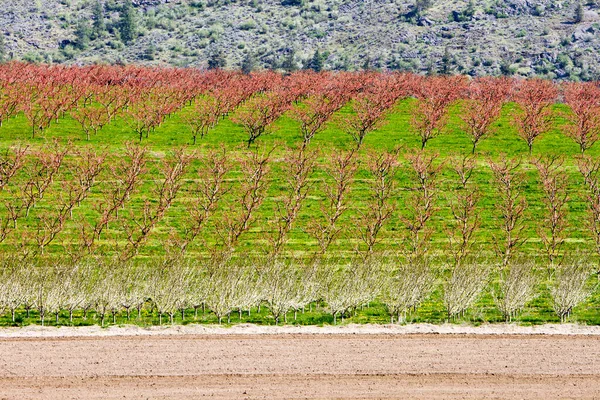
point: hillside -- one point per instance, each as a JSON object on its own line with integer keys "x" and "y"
{"x": 524, "y": 37}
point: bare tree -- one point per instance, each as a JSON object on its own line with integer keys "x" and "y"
{"x": 383, "y": 167}
{"x": 464, "y": 210}
{"x": 283, "y": 282}
{"x": 344, "y": 288}
{"x": 125, "y": 175}
{"x": 298, "y": 166}
{"x": 463, "y": 286}
{"x": 167, "y": 286}
{"x": 518, "y": 281}
{"x": 212, "y": 186}
{"x": 250, "y": 195}
{"x": 341, "y": 169}
{"x": 554, "y": 185}
{"x": 570, "y": 286}
{"x": 407, "y": 285}
{"x": 173, "y": 171}
{"x": 508, "y": 181}
{"x": 421, "y": 204}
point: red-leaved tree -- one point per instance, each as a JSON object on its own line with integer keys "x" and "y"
{"x": 434, "y": 95}
{"x": 533, "y": 116}
{"x": 485, "y": 98}
{"x": 583, "y": 122}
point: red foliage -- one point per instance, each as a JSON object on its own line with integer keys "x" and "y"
{"x": 434, "y": 97}
{"x": 259, "y": 114}
{"x": 584, "y": 119}
{"x": 485, "y": 98}
{"x": 534, "y": 117}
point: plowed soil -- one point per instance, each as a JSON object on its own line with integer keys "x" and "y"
{"x": 301, "y": 366}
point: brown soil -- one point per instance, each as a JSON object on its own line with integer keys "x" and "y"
{"x": 301, "y": 366}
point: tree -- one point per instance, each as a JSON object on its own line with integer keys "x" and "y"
{"x": 259, "y": 114}
{"x": 590, "y": 170}
{"x": 508, "y": 182}
{"x": 370, "y": 107}
{"x": 299, "y": 164}
{"x": 534, "y": 116}
{"x": 583, "y": 122}
{"x": 248, "y": 63}
{"x": 284, "y": 287}
{"x": 570, "y": 286}
{"x": 98, "y": 26}
{"x": 420, "y": 207}
{"x": 217, "y": 60}
{"x": 485, "y": 98}
{"x": 212, "y": 186}
{"x": 517, "y": 287}
{"x": 314, "y": 113}
{"x": 289, "y": 62}
{"x": 341, "y": 168}
{"x": 150, "y": 52}
{"x": 167, "y": 283}
{"x": 579, "y": 13}
{"x": 554, "y": 185}
{"x": 464, "y": 210}
{"x": 383, "y": 167}
{"x": 203, "y": 117}
{"x": 127, "y": 22}
{"x": 446, "y": 62}
{"x": 344, "y": 288}
{"x": 316, "y": 62}
{"x": 434, "y": 96}
{"x": 407, "y": 286}
{"x": 250, "y": 195}
{"x": 2, "y": 48}
{"x": 463, "y": 287}
{"x": 82, "y": 34}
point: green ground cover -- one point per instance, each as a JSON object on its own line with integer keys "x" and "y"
{"x": 394, "y": 133}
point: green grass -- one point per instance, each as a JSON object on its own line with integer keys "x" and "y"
{"x": 396, "y": 132}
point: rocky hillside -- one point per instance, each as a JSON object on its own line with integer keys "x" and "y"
{"x": 551, "y": 38}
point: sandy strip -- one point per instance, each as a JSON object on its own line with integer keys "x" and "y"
{"x": 344, "y": 366}
{"x": 35, "y": 331}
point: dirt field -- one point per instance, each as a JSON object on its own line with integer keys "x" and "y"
{"x": 301, "y": 366}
